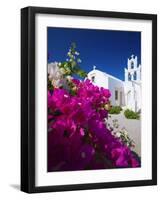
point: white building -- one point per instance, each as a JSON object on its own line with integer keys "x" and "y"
{"x": 125, "y": 93}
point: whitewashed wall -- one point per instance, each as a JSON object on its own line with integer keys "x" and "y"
{"x": 101, "y": 78}
{"x": 115, "y": 84}
{"x": 109, "y": 82}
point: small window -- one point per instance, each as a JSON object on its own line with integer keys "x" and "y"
{"x": 93, "y": 79}
{"x": 116, "y": 94}
{"x": 135, "y": 76}
{"x": 132, "y": 65}
{"x": 129, "y": 77}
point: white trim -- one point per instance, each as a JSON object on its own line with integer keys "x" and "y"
{"x": 106, "y": 74}
{"x": 92, "y": 176}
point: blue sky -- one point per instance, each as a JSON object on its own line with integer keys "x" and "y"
{"x": 106, "y": 49}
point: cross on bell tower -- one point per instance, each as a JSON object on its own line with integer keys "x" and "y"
{"x": 94, "y": 67}
{"x": 132, "y": 56}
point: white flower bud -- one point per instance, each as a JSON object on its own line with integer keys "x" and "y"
{"x": 118, "y": 134}
{"x": 76, "y": 53}
{"x": 54, "y": 71}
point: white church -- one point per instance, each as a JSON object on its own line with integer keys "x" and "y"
{"x": 127, "y": 93}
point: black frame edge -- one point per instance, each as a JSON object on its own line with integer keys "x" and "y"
{"x": 95, "y": 13}
{"x": 154, "y": 99}
{"x": 24, "y": 100}
{"x": 28, "y": 99}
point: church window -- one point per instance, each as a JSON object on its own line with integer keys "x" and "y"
{"x": 132, "y": 65}
{"x": 93, "y": 79}
{"x": 129, "y": 77}
{"x": 116, "y": 94}
{"x": 135, "y": 75}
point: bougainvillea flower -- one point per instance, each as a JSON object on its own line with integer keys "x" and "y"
{"x": 78, "y": 138}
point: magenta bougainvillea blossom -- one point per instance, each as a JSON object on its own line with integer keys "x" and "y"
{"x": 78, "y": 138}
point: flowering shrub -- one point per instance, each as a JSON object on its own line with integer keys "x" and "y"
{"x": 77, "y": 135}
{"x": 120, "y": 133}
{"x": 78, "y": 138}
{"x": 129, "y": 114}
{"x": 115, "y": 110}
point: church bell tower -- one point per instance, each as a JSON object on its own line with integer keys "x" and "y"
{"x": 133, "y": 70}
